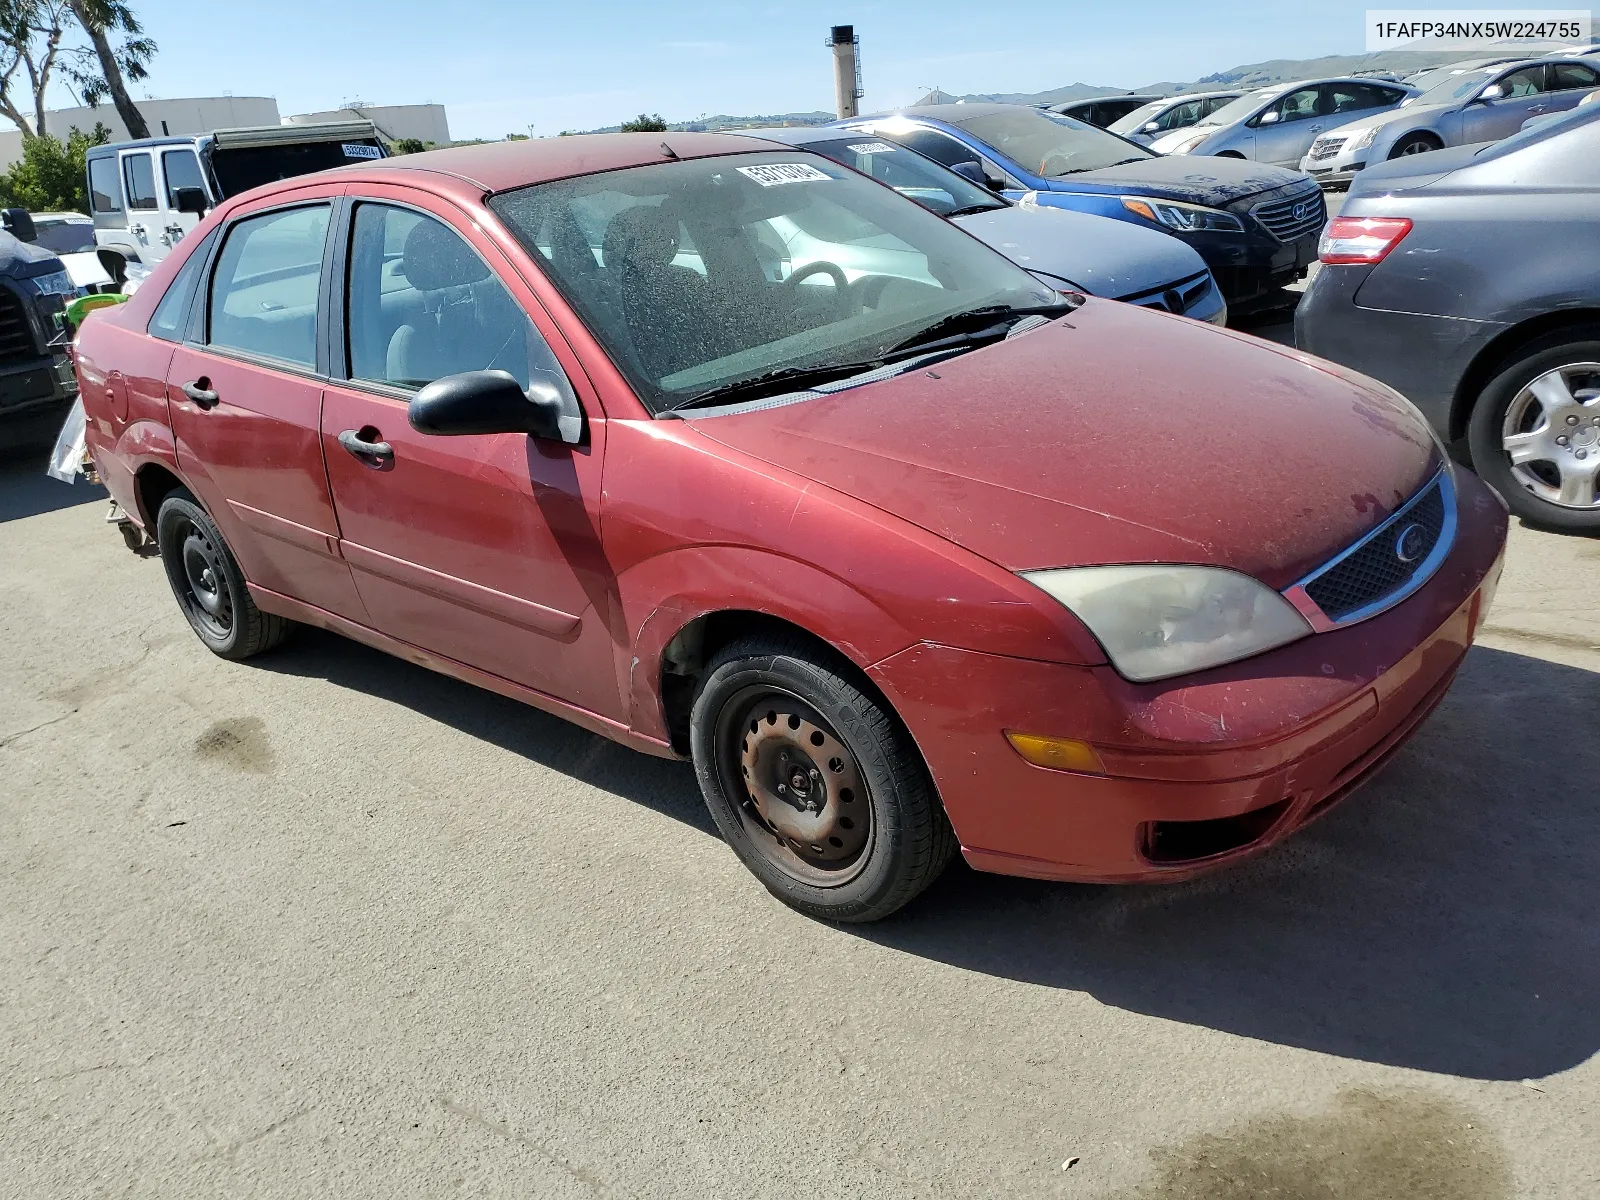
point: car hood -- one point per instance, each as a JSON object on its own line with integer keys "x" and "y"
{"x": 1102, "y": 255}
{"x": 1197, "y": 179}
{"x": 1113, "y": 434}
{"x": 1419, "y": 113}
{"x": 23, "y": 260}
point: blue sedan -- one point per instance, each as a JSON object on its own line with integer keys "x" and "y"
{"x": 1255, "y": 226}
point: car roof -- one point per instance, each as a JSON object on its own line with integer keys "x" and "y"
{"x": 947, "y": 112}
{"x": 1142, "y": 97}
{"x": 797, "y": 135}
{"x": 502, "y": 166}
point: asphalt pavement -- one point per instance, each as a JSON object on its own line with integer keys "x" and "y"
{"x": 326, "y": 924}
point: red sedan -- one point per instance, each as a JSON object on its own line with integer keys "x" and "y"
{"x": 726, "y": 452}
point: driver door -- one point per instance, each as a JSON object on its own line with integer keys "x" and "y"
{"x": 484, "y": 549}
{"x": 1523, "y": 95}
{"x": 1285, "y": 140}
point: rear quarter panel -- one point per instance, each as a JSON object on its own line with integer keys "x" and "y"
{"x": 122, "y": 378}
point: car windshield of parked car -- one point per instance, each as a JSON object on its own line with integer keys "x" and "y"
{"x": 64, "y": 237}
{"x": 1459, "y": 87}
{"x": 1047, "y": 144}
{"x": 1243, "y": 108}
{"x": 707, "y": 273}
{"x": 1138, "y": 118}
{"x": 930, "y": 184}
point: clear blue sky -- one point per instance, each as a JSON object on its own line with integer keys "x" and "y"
{"x": 595, "y": 62}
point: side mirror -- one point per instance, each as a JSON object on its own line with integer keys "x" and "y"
{"x": 1493, "y": 92}
{"x": 971, "y": 170}
{"x": 19, "y": 224}
{"x": 1271, "y": 117}
{"x": 492, "y": 402}
{"x": 190, "y": 200}
{"x": 1151, "y": 127}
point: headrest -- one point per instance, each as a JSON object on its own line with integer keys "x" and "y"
{"x": 435, "y": 258}
{"x": 641, "y": 236}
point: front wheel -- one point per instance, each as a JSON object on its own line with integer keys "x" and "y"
{"x": 1535, "y": 435}
{"x": 814, "y": 783}
{"x": 1415, "y": 144}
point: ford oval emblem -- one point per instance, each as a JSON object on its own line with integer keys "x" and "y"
{"x": 1408, "y": 547}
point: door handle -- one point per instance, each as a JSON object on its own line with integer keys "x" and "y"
{"x": 199, "y": 390}
{"x": 352, "y": 441}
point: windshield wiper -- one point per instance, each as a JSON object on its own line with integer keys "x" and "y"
{"x": 973, "y": 208}
{"x": 976, "y": 324}
{"x": 774, "y": 383}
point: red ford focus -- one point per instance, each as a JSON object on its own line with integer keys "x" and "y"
{"x": 728, "y": 453}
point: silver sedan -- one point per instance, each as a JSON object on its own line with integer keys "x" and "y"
{"x": 1483, "y": 104}
{"x": 1160, "y": 117}
{"x": 1278, "y": 124}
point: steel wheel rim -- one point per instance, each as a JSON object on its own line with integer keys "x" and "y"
{"x": 1551, "y": 436}
{"x": 204, "y": 590}
{"x": 799, "y": 790}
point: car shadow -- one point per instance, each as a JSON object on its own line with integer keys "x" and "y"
{"x": 1444, "y": 918}
{"x": 659, "y": 784}
{"x": 26, "y": 491}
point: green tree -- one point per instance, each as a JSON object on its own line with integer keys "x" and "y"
{"x": 50, "y": 175}
{"x": 407, "y": 146}
{"x": 102, "y": 20}
{"x": 644, "y": 123}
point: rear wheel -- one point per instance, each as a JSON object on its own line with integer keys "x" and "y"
{"x": 815, "y": 785}
{"x": 1416, "y": 143}
{"x": 1535, "y": 435}
{"x": 207, "y": 582}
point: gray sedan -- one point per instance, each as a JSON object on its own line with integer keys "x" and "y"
{"x": 1278, "y": 124}
{"x": 1465, "y": 279}
{"x": 1478, "y": 105}
{"x": 1160, "y": 117}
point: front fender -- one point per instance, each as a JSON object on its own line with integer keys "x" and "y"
{"x": 664, "y": 594}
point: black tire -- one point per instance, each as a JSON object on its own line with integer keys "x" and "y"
{"x": 1486, "y": 429}
{"x": 209, "y": 587}
{"x": 908, "y": 840}
{"x": 1416, "y": 143}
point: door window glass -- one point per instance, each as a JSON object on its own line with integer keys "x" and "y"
{"x": 1353, "y": 97}
{"x": 1527, "y": 82}
{"x": 264, "y": 291}
{"x": 138, "y": 173}
{"x": 171, "y": 314}
{"x": 1572, "y": 75}
{"x": 937, "y": 146}
{"x": 1181, "y": 115}
{"x": 423, "y": 305}
{"x": 1296, "y": 106}
{"x": 1215, "y": 103}
{"x": 182, "y": 170}
{"x": 104, "y": 193}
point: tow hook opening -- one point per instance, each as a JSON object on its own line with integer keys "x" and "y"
{"x": 1171, "y": 842}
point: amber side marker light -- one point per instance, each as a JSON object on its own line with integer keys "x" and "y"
{"x": 1363, "y": 240}
{"x": 1058, "y": 754}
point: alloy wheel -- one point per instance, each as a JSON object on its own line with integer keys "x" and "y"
{"x": 1551, "y": 436}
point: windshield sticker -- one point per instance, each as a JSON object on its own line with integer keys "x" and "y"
{"x": 773, "y": 174}
{"x": 872, "y": 148}
{"x": 351, "y": 150}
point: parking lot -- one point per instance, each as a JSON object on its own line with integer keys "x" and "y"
{"x": 329, "y": 924}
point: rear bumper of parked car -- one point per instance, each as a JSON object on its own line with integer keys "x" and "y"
{"x": 1422, "y": 357}
{"x": 1199, "y": 771}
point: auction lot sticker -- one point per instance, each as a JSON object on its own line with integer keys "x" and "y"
{"x": 872, "y": 148}
{"x": 772, "y": 174}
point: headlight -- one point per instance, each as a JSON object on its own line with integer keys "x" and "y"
{"x": 1185, "y": 218}
{"x": 57, "y": 283}
{"x": 1155, "y": 622}
{"x": 1363, "y": 139}
{"x": 1188, "y": 143}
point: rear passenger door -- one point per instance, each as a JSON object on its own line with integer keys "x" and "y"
{"x": 244, "y": 392}
{"x": 1569, "y": 83}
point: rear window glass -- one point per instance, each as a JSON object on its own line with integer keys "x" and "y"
{"x": 182, "y": 170}
{"x": 243, "y": 167}
{"x": 104, "y": 193}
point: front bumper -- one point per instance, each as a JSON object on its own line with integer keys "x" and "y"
{"x": 1199, "y": 771}
{"x": 1334, "y": 175}
{"x": 34, "y": 384}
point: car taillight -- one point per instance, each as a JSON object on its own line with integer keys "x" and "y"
{"x": 1361, "y": 239}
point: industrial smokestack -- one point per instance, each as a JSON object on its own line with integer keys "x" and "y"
{"x": 846, "y": 70}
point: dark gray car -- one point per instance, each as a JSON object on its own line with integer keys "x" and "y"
{"x": 1467, "y": 280}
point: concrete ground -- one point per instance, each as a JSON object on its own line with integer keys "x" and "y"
{"x": 325, "y": 924}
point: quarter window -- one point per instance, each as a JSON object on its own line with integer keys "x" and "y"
{"x": 169, "y": 319}
{"x": 264, "y": 291}
{"x": 104, "y": 193}
{"x": 138, "y": 174}
{"x": 181, "y": 169}
{"x": 423, "y": 305}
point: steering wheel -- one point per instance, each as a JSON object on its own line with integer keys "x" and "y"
{"x": 841, "y": 286}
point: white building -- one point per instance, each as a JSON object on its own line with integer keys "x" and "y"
{"x": 188, "y": 115}
{"x": 425, "y": 122}
{"x": 201, "y": 114}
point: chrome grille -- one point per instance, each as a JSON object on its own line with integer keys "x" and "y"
{"x": 1326, "y": 147}
{"x": 1392, "y": 561}
{"x": 1177, "y": 297}
{"x": 1294, "y": 216}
